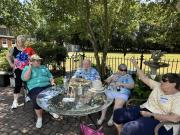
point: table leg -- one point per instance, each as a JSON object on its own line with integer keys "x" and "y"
{"x": 94, "y": 122}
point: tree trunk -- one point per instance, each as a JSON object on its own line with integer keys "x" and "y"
{"x": 92, "y": 35}
{"x": 106, "y": 40}
{"x": 106, "y": 36}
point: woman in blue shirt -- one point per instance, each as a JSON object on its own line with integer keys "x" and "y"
{"x": 38, "y": 78}
{"x": 119, "y": 87}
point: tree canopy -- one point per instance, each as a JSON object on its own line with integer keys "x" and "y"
{"x": 105, "y": 23}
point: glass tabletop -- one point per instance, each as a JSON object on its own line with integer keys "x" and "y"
{"x": 54, "y": 99}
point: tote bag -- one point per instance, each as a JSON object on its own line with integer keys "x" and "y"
{"x": 89, "y": 130}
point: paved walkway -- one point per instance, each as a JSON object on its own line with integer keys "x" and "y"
{"x": 20, "y": 121}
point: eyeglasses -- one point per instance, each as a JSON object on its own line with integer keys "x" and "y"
{"x": 123, "y": 70}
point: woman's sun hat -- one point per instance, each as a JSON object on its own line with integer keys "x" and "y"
{"x": 97, "y": 87}
{"x": 35, "y": 57}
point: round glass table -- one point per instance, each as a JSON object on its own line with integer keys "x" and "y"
{"x": 54, "y": 99}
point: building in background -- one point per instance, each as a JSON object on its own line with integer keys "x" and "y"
{"x": 71, "y": 47}
{"x": 6, "y": 38}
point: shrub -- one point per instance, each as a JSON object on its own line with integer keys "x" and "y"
{"x": 58, "y": 80}
{"x": 4, "y": 65}
{"x": 141, "y": 90}
{"x": 50, "y": 52}
{"x": 108, "y": 71}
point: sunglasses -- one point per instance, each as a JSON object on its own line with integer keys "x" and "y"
{"x": 123, "y": 70}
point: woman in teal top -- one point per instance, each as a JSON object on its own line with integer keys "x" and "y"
{"x": 38, "y": 78}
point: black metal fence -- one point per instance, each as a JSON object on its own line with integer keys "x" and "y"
{"x": 72, "y": 63}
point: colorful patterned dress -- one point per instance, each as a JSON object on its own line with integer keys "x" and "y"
{"x": 21, "y": 59}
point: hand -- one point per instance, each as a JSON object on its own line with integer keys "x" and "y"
{"x": 30, "y": 63}
{"x": 53, "y": 84}
{"x": 146, "y": 113}
{"x": 119, "y": 84}
{"x": 107, "y": 81}
{"x": 114, "y": 77}
{"x": 113, "y": 84}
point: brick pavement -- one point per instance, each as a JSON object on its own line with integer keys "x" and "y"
{"x": 20, "y": 121}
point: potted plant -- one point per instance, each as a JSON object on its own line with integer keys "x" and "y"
{"x": 4, "y": 69}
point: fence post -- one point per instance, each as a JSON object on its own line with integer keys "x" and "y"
{"x": 141, "y": 60}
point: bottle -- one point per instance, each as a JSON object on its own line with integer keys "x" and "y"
{"x": 118, "y": 88}
{"x": 80, "y": 91}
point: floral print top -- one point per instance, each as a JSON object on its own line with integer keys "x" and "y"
{"x": 21, "y": 58}
{"x": 89, "y": 74}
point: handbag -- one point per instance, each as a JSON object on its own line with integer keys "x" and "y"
{"x": 89, "y": 130}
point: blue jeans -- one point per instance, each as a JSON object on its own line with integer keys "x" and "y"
{"x": 135, "y": 124}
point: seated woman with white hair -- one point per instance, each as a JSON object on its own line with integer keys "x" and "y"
{"x": 87, "y": 72}
{"x": 38, "y": 78}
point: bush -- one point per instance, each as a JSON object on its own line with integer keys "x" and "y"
{"x": 108, "y": 71}
{"x": 59, "y": 72}
{"x": 53, "y": 55}
{"x": 141, "y": 90}
{"x": 58, "y": 80}
{"x": 50, "y": 52}
{"x": 4, "y": 65}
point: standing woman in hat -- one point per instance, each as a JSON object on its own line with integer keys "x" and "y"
{"x": 18, "y": 58}
{"x": 119, "y": 87}
{"x": 38, "y": 78}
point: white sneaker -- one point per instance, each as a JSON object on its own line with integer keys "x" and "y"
{"x": 14, "y": 105}
{"x": 110, "y": 122}
{"x": 39, "y": 123}
{"x": 56, "y": 116}
{"x": 100, "y": 121}
{"x": 27, "y": 99}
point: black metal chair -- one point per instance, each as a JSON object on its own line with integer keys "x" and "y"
{"x": 25, "y": 94}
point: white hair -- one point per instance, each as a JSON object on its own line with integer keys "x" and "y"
{"x": 22, "y": 38}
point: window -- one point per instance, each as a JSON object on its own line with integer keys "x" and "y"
{"x": 4, "y": 43}
{"x": 3, "y": 31}
{"x": 13, "y": 41}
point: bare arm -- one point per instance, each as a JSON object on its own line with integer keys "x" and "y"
{"x": 140, "y": 73}
{"x": 111, "y": 78}
{"x": 162, "y": 117}
{"x": 108, "y": 80}
{"x": 52, "y": 81}
{"x": 169, "y": 117}
{"x": 27, "y": 74}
